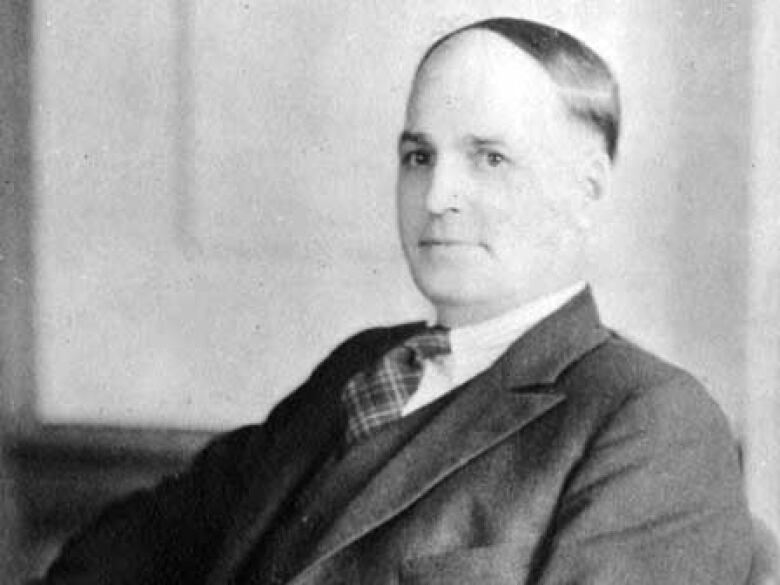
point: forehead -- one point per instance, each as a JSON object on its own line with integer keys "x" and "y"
{"x": 478, "y": 78}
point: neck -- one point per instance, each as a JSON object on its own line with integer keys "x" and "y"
{"x": 454, "y": 316}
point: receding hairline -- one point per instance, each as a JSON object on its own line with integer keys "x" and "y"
{"x": 584, "y": 81}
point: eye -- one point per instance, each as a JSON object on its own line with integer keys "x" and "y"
{"x": 491, "y": 158}
{"x": 417, "y": 158}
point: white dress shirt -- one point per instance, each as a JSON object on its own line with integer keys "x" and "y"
{"x": 476, "y": 347}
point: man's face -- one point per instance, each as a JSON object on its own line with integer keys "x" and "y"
{"x": 489, "y": 193}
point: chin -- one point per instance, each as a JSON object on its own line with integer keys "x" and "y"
{"x": 451, "y": 290}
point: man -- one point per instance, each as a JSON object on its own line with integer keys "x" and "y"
{"x": 519, "y": 441}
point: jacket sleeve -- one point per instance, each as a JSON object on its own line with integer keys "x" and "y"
{"x": 171, "y": 533}
{"x": 657, "y": 498}
{"x": 161, "y": 535}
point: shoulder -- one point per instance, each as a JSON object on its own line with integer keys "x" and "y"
{"x": 622, "y": 366}
{"x": 619, "y": 385}
{"x": 652, "y": 467}
{"x": 313, "y": 396}
{"x": 359, "y": 351}
{"x": 368, "y": 344}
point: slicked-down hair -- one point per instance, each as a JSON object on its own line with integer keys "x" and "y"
{"x": 585, "y": 82}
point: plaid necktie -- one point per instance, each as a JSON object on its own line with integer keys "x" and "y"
{"x": 376, "y": 397}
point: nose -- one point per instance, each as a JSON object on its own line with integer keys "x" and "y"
{"x": 444, "y": 190}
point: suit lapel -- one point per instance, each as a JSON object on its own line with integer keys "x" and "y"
{"x": 496, "y": 404}
{"x": 277, "y": 477}
{"x": 473, "y": 423}
{"x": 302, "y": 446}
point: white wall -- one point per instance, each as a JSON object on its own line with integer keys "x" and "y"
{"x": 215, "y": 192}
{"x": 762, "y": 414}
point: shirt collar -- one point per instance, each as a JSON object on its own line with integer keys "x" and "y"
{"x": 475, "y": 347}
{"x": 501, "y": 331}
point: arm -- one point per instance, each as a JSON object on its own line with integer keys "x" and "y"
{"x": 165, "y": 534}
{"x": 657, "y": 498}
{"x": 172, "y": 533}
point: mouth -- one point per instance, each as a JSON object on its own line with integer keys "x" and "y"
{"x": 430, "y": 243}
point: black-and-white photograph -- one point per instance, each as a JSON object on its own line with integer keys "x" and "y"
{"x": 362, "y": 293}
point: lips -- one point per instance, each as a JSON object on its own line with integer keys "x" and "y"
{"x": 443, "y": 242}
{"x": 449, "y": 243}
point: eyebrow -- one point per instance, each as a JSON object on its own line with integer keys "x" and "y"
{"x": 485, "y": 141}
{"x": 422, "y": 138}
{"x": 414, "y": 137}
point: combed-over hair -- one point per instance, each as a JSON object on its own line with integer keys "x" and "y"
{"x": 586, "y": 84}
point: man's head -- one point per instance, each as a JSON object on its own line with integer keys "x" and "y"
{"x": 510, "y": 130}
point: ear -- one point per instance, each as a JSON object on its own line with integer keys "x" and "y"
{"x": 596, "y": 174}
{"x": 594, "y": 179}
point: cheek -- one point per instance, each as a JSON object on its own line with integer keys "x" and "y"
{"x": 411, "y": 216}
{"x": 525, "y": 223}
{"x": 506, "y": 207}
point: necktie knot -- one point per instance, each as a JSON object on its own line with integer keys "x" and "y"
{"x": 376, "y": 397}
{"x": 431, "y": 342}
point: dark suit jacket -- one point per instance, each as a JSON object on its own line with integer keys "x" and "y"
{"x": 576, "y": 458}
